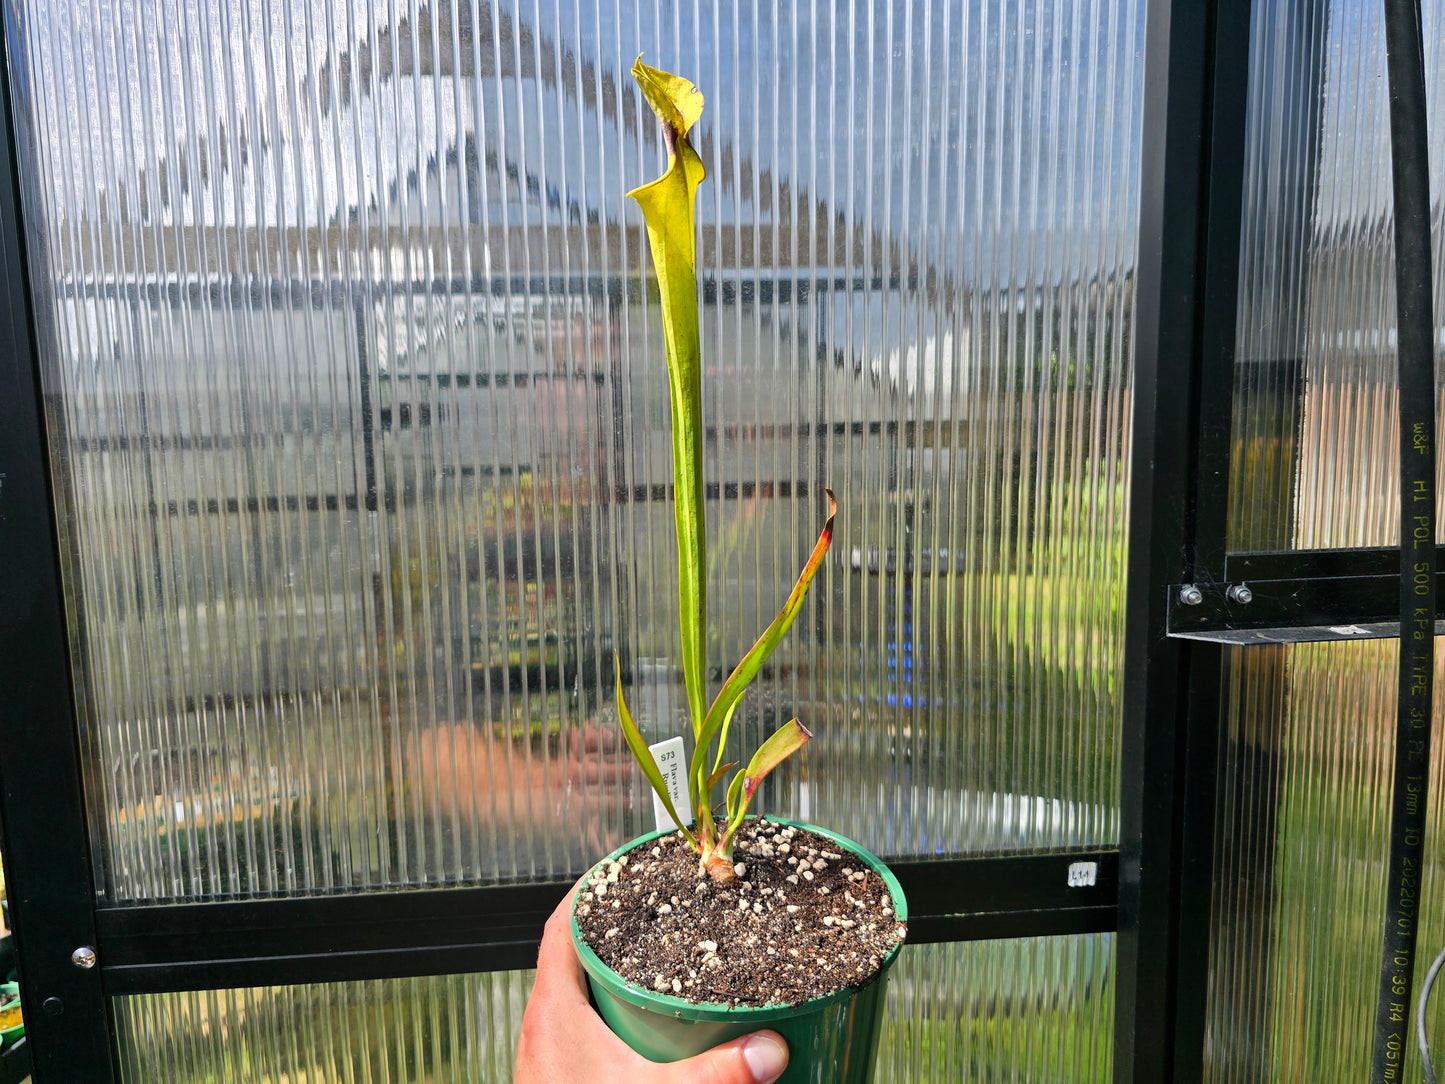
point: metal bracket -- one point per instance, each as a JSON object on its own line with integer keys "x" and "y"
{"x": 1294, "y": 597}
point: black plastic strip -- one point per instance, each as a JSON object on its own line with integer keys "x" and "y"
{"x": 1410, "y": 172}
{"x": 155, "y": 948}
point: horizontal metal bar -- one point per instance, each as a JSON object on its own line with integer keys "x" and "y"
{"x": 1314, "y": 564}
{"x": 1296, "y": 597}
{"x": 165, "y": 947}
{"x": 993, "y": 926}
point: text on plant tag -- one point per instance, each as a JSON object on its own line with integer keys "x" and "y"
{"x": 669, "y": 758}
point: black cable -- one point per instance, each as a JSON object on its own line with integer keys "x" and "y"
{"x": 1409, "y": 161}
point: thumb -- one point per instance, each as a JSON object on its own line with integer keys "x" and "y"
{"x": 759, "y": 1058}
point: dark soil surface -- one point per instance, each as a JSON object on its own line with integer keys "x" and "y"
{"x": 803, "y": 919}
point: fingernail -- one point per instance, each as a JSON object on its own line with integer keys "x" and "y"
{"x": 767, "y": 1057}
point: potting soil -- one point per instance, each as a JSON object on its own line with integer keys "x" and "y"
{"x": 802, "y": 919}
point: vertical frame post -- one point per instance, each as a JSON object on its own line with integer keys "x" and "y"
{"x": 1221, "y": 210}
{"x": 1195, "y": 74}
{"x": 46, "y": 848}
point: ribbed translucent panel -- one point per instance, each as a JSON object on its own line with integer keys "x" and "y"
{"x": 1036, "y": 1010}
{"x": 361, "y": 419}
{"x": 458, "y": 1029}
{"x": 1304, "y": 775}
{"x": 1315, "y": 458}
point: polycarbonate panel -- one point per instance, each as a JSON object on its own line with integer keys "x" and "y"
{"x": 1033, "y": 1009}
{"x": 1037, "y": 1009}
{"x": 1315, "y": 456}
{"x": 1304, "y": 775}
{"x": 447, "y": 1030}
{"x": 361, "y": 419}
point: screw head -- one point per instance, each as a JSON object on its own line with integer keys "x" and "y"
{"x": 1241, "y": 594}
{"x": 1190, "y": 595}
{"x": 83, "y": 957}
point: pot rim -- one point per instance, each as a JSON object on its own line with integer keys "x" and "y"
{"x": 668, "y": 1005}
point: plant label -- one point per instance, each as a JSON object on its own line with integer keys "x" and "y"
{"x": 1083, "y": 874}
{"x": 670, "y": 762}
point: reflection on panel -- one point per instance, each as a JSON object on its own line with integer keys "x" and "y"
{"x": 1027, "y": 1010}
{"x": 361, "y": 420}
{"x": 1315, "y": 456}
{"x": 1304, "y": 775}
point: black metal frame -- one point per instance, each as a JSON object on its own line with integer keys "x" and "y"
{"x": 45, "y": 835}
{"x": 1154, "y": 890}
{"x": 1196, "y": 65}
{"x": 149, "y": 949}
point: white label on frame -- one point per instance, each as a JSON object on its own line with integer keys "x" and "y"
{"x": 669, "y": 758}
{"x": 1083, "y": 874}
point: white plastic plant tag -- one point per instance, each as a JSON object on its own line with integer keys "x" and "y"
{"x": 1083, "y": 874}
{"x": 668, "y": 755}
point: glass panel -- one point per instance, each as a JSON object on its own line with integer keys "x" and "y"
{"x": 362, "y": 427}
{"x": 1037, "y": 1009}
{"x": 1304, "y": 772}
{"x": 1314, "y": 401}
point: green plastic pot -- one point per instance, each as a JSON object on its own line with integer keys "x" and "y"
{"x": 831, "y": 1040}
{"x": 10, "y": 1034}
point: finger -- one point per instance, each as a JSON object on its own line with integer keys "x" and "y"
{"x": 759, "y": 1058}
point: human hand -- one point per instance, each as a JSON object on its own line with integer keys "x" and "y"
{"x": 564, "y": 1041}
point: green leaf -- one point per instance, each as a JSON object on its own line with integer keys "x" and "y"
{"x": 722, "y": 740}
{"x": 716, "y": 777}
{"x": 667, "y": 205}
{"x": 783, "y": 743}
{"x": 643, "y": 756}
{"x": 734, "y": 789}
{"x": 720, "y": 714}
